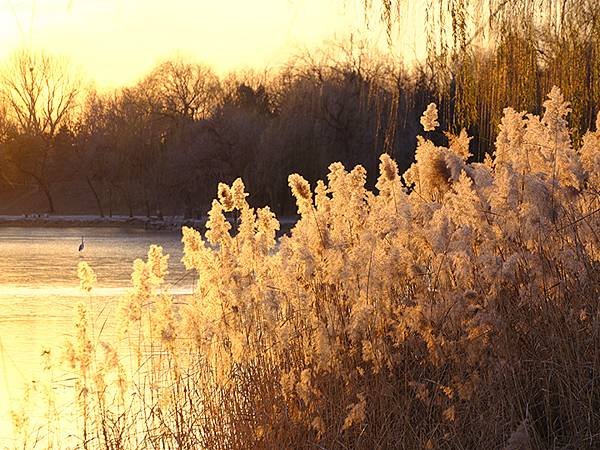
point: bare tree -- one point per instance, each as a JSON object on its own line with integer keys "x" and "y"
{"x": 184, "y": 90}
{"x": 40, "y": 94}
{"x": 178, "y": 96}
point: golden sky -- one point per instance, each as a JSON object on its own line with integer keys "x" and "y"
{"x": 115, "y": 42}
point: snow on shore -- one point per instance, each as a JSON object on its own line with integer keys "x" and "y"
{"x": 149, "y": 223}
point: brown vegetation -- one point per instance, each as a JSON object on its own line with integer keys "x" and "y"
{"x": 455, "y": 307}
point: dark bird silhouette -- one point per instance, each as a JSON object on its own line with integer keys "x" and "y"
{"x": 82, "y": 245}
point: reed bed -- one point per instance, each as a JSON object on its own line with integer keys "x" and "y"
{"x": 454, "y": 307}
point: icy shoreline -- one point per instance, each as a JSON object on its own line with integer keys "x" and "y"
{"x": 167, "y": 223}
{"x": 65, "y": 221}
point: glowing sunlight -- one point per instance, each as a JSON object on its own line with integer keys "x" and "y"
{"x": 281, "y": 224}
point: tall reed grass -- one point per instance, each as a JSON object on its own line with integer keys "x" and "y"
{"x": 457, "y": 306}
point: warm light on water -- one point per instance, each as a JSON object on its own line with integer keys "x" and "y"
{"x": 39, "y": 288}
{"x": 36, "y": 258}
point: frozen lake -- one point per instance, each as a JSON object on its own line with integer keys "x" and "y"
{"x": 39, "y": 288}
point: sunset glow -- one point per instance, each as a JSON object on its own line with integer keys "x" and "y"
{"x": 289, "y": 224}
{"x": 114, "y": 42}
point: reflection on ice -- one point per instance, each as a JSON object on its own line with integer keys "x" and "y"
{"x": 39, "y": 288}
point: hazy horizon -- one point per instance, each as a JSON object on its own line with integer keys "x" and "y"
{"x": 115, "y": 43}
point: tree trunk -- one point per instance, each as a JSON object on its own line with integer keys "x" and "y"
{"x": 146, "y": 202}
{"x": 46, "y": 190}
{"x": 126, "y": 196}
{"x": 110, "y": 199}
{"x": 43, "y": 186}
{"x": 98, "y": 202}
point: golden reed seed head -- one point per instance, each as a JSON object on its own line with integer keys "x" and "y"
{"x": 87, "y": 277}
{"x": 429, "y": 118}
{"x": 300, "y": 187}
{"x": 225, "y": 197}
{"x": 238, "y": 192}
{"x": 388, "y": 167}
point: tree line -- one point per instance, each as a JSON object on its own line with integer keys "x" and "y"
{"x": 161, "y": 145}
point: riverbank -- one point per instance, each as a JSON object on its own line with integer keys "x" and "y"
{"x": 68, "y": 221}
{"x": 167, "y": 223}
